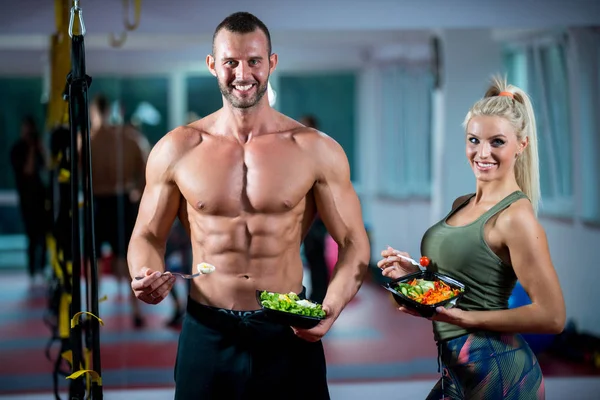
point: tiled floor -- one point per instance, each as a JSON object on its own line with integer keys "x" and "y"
{"x": 556, "y": 389}
{"x": 370, "y": 342}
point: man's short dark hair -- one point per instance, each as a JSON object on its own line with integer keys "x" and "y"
{"x": 310, "y": 121}
{"x": 102, "y": 103}
{"x": 242, "y": 22}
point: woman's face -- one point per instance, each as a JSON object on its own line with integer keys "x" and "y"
{"x": 492, "y": 147}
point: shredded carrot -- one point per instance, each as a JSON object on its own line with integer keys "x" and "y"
{"x": 440, "y": 292}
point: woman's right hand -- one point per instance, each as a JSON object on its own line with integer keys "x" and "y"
{"x": 393, "y": 266}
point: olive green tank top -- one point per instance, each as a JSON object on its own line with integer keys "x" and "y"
{"x": 462, "y": 253}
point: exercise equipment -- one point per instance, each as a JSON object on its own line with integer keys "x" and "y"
{"x": 76, "y": 93}
{"x": 59, "y": 248}
{"x": 72, "y": 250}
{"x": 117, "y": 42}
{"x": 58, "y": 205}
{"x": 538, "y": 342}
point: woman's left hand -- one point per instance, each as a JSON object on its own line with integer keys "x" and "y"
{"x": 454, "y": 316}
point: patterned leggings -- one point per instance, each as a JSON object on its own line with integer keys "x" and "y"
{"x": 486, "y": 365}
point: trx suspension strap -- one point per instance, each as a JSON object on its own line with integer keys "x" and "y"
{"x": 58, "y": 238}
{"x": 77, "y": 95}
{"x": 60, "y": 249}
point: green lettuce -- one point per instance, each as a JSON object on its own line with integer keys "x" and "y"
{"x": 291, "y": 303}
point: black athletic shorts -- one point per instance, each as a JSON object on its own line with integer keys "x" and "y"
{"x": 233, "y": 355}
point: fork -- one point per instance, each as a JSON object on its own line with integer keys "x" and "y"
{"x": 410, "y": 260}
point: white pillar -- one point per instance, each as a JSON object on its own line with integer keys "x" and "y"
{"x": 274, "y": 81}
{"x": 177, "y": 97}
{"x": 367, "y": 136}
{"x": 438, "y": 208}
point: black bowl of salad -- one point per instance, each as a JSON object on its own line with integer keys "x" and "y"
{"x": 290, "y": 309}
{"x": 424, "y": 291}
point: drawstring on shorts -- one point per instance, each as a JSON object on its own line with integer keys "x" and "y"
{"x": 440, "y": 366}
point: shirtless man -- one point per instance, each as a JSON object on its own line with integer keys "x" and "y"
{"x": 118, "y": 169}
{"x": 247, "y": 182}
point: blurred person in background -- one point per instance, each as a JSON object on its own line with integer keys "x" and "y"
{"x": 314, "y": 243}
{"x": 119, "y": 156}
{"x": 28, "y": 159}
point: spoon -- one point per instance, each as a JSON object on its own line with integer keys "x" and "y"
{"x": 203, "y": 269}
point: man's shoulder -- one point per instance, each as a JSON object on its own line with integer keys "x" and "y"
{"x": 320, "y": 144}
{"x": 312, "y": 138}
{"x": 172, "y": 147}
{"x": 324, "y": 151}
{"x": 181, "y": 138}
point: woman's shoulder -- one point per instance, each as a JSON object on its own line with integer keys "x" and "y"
{"x": 460, "y": 200}
{"x": 519, "y": 216}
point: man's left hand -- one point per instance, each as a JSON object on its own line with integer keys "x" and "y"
{"x": 315, "y": 334}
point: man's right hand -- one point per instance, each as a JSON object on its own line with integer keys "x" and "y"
{"x": 153, "y": 287}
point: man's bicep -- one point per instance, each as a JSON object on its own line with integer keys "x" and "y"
{"x": 340, "y": 210}
{"x": 160, "y": 201}
{"x": 158, "y": 210}
{"x": 337, "y": 201}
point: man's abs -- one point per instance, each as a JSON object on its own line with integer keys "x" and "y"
{"x": 250, "y": 253}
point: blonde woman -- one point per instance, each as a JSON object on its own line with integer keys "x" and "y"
{"x": 489, "y": 240}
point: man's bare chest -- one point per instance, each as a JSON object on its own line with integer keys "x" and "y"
{"x": 229, "y": 184}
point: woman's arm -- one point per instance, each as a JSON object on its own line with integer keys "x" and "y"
{"x": 527, "y": 244}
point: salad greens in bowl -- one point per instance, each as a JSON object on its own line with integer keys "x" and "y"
{"x": 290, "y": 309}
{"x": 424, "y": 291}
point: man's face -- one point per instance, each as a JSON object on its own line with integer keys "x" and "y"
{"x": 242, "y": 66}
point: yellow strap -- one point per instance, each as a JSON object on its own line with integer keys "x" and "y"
{"x": 55, "y": 160}
{"x": 54, "y": 258}
{"x": 51, "y": 246}
{"x": 60, "y": 65}
{"x": 120, "y": 40}
{"x": 88, "y": 360}
{"x": 75, "y": 320}
{"x": 51, "y": 243}
{"x": 68, "y": 355}
{"x": 136, "y": 17}
{"x": 64, "y": 175}
{"x": 63, "y": 316}
{"x": 95, "y": 377}
{"x": 57, "y": 270}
